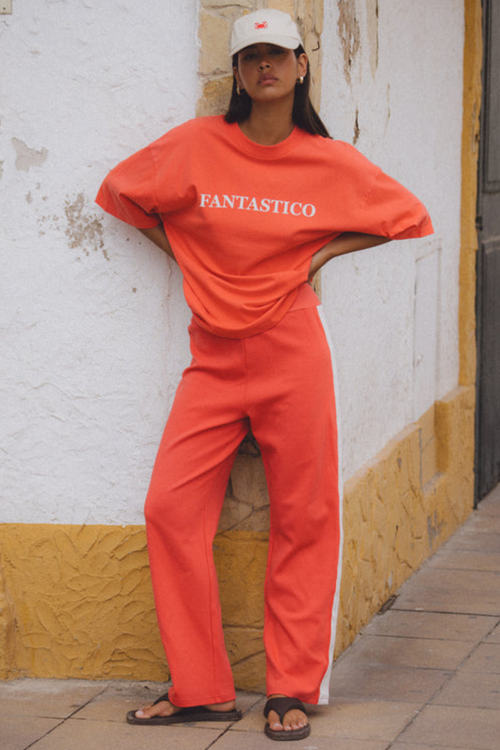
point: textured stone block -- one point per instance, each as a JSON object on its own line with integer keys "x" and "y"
{"x": 215, "y": 98}
{"x": 214, "y": 53}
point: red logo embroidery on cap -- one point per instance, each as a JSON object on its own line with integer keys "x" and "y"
{"x": 260, "y": 24}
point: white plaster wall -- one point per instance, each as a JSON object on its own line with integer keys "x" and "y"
{"x": 92, "y": 321}
{"x": 393, "y": 311}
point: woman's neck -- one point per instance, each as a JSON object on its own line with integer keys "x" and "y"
{"x": 269, "y": 123}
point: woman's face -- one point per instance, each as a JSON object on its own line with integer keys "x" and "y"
{"x": 268, "y": 72}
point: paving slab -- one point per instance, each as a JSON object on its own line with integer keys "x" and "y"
{"x": 485, "y": 659}
{"x": 364, "y": 719}
{"x": 494, "y": 636}
{"x": 407, "y": 684}
{"x": 47, "y": 698}
{"x": 433, "y": 625}
{"x": 483, "y": 522}
{"x": 20, "y": 732}
{"x": 252, "y": 741}
{"x": 465, "y": 559}
{"x": 470, "y": 689}
{"x": 78, "y": 734}
{"x": 438, "y": 590}
{"x": 425, "y": 653}
{"x": 450, "y": 726}
{"x": 481, "y": 543}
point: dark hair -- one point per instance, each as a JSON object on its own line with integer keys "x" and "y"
{"x": 303, "y": 114}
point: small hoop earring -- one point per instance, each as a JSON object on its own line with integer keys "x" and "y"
{"x": 300, "y": 80}
{"x": 238, "y": 90}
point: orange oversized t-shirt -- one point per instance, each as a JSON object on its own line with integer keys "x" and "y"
{"x": 244, "y": 220}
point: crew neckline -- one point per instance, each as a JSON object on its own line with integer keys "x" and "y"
{"x": 259, "y": 150}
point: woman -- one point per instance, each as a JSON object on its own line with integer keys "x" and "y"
{"x": 251, "y": 206}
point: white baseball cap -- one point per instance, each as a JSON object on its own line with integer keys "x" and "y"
{"x": 268, "y": 26}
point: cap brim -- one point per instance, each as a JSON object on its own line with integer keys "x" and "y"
{"x": 280, "y": 41}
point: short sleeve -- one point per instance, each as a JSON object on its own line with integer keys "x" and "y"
{"x": 129, "y": 191}
{"x": 391, "y": 210}
{"x": 371, "y": 201}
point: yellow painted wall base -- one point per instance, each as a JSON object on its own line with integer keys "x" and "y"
{"x": 400, "y": 508}
{"x": 77, "y": 601}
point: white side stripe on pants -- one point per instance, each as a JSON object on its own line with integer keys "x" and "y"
{"x": 325, "y": 683}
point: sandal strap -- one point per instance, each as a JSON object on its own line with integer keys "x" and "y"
{"x": 163, "y": 697}
{"x": 282, "y": 706}
{"x": 187, "y": 710}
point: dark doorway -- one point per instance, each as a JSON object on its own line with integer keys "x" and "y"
{"x": 488, "y": 263}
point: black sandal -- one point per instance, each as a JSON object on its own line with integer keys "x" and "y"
{"x": 282, "y": 706}
{"x": 185, "y": 715}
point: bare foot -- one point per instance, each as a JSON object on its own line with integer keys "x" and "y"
{"x": 294, "y": 719}
{"x": 165, "y": 708}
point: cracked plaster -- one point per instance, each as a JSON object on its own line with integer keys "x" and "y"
{"x": 27, "y": 157}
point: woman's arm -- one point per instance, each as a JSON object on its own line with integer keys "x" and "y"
{"x": 345, "y": 243}
{"x": 158, "y": 236}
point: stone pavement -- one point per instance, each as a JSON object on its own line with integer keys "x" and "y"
{"x": 425, "y": 674}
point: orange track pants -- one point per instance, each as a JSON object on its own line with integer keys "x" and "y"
{"x": 280, "y": 383}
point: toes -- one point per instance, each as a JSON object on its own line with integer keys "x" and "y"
{"x": 296, "y": 720}
{"x": 164, "y": 708}
{"x": 274, "y": 722}
{"x": 141, "y": 713}
{"x": 291, "y": 720}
